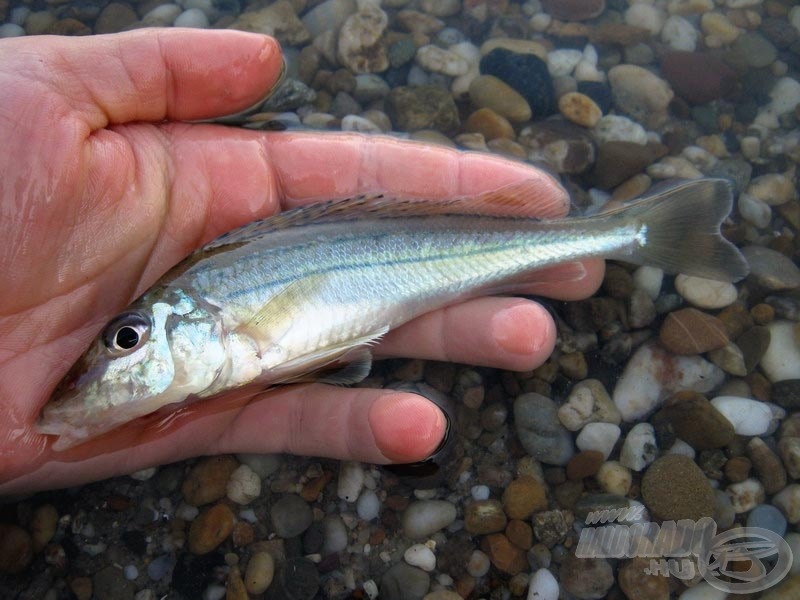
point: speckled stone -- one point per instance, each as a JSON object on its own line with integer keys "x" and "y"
{"x": 415, "y": 108}
{"x": 692, "y": 418}
{"x": 526, "y": 73}
{"x": 586, "y": 578}
{"x": 675, "y": 488}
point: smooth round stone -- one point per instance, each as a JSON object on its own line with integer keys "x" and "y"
{"x": 8, "y": 30}
{"x": 689, "y": 331}
{"x": 616, "y": 128}
{"x": 328, "y": 15}
{"x": 774, "y": 189}
{"x": 438, "y": 60}
{"x": 579, "y": 109}
{"x": 646, "y": 16}
{"x": 640, "y": 447}
{"x": 698, "y": 77}
{"x": 193, "y": 17}
{"x": 614, "y": 478}
{"x": 335, "y": 534}
{"x": 640, "y": 94}
{"x": 210, "y": 529}
{"x": 767, "y": 516}
{"x": 679, "y": 34}
{"x": 754, "y": 211}
{"x": 703, "y": 591}
{"x": 263, "y": 464}
{"x": 748, "y": 417}
{"x": 586, "y": 578}
{"x": 360, "y": 124}
{"x": 425, "y": 517}
{"x": 771, "y": 269}
{"x": 755, "y": 50}
{"x": 478, "y": 564}
{"x": 115, "y": 17}
{"x": 420, "y": 555}
{"x": 574, "y": 10}
{"x": 539, "y": 430}
{"x": 705, "y": 293}
{"x": 244, "y": 486}
{"x": 600, "y": 437}
{"x": 404, "y": 582}
{"x": 588, "y": 402}
{"x": 485, "y": 516}
{"x": 526, "y": 73}
{"x": 781, "y": 361}
{"x": 490, "y": 124}
{"x": 514, "y": 45}
{"x": 368, "y": 506}
{"x": 675, "y": 488}
{"x": 351, "y": 481}
{"x": 788, "y": 501}
{"x": 162, "y": 15}
{"x": 543, "y": 586}
{"x": 290, "y": 516}
{"x": 487, "y": 91}
{"x": 259, "y": 573}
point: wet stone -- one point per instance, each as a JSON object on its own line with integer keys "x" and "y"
{"x": 767, "y": 465}
{"x": 771, "y": 270}
{"x": 585, "y": 464}
{"x": 539, "y": 431}
{"x": 675, "y": 488}
{"x": 586, "y": 578}
{"x": 526, "y": 73}
{"x": 487, "y": 91}
{"x": 574, "y": 10}
{"x": 552, "y": 526}
{"x": 692, "y": 418}
{"x": 295, "y": 579}
{"x": 404, "y": 582}
{"x": 115, "y": 17}
{"x": 504, "y": 555}
{"x": 210, "y": 529}
{"x": 698, "y": 77}
{"x": 690, "y": 331}
{"x": 786, "y": 393}
{"x": 484, "y": 516}
{"x": 523, "y": 497}
{"x": 564, "y": 146}
{"x": 636, "y": 584}
{"x": 422, "y": 107}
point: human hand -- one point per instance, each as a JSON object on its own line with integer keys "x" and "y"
{"x": 104, "y": 189}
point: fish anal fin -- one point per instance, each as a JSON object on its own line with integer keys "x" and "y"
{"x": 351, "y": 367}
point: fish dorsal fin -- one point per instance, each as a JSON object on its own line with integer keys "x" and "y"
{"x": 514, "y": 200}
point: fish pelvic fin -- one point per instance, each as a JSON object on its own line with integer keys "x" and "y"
{"x": 680, "y": 230}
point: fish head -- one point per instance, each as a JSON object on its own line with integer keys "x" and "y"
{"x": 159, "y": 351}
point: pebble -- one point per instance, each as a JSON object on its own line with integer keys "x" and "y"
{"x": 420, "y": 555}
{"x": 690, "y": 331}
{"x": 724, "y": 515}
{"x": 335, "y": 534}
{"x": 328, "y": 15}
{"x": 770, "y": 269}
{"x": 746, "y": 495}
{"x": 43, "y": 526}
{"x": 115, "y": 17}
{"x": 487, "y": 91}
{"x": 754, "y": 211}
{"x": 368, "y": 506}
{"x": 193, "y": 17}
{"x": 586, "y": 578}
{"x": 478, "y": 564}
{"x": 404, "y": 582}
{"x": 781, "y": 361}
{"x": 210, "y": 529}
{"x": 705, "y": 293}
{"x": 574, "y": 10}
{"x": 698, "y": 77}
{"x": 600, "y": 437}
{"x": 768, "y": 517}
{"x": 675, "y": 488}
{"x": 640, "y": 448}
{"x": 773, "y": 189}
{"x": 484, "y": 516}
{"x": 543, "y": 586}
{"x": 523, "y": 497}
{"x": 693, "y": 419}
{"x": 580, "y": 109}
{"x": 718, "y": 29}
{"x": 16, "y": 549}
{"x": 259, "y": 573}
{"x": 588, "y": 402}
{"x": 703, "y": 591}
{"x": 748, "y": 417}
{"x": 360, "y": 45}
{"x": 539, "y": 431}
{"x": 351, "y": 481}
{"x": 614, "y": 478}
{"x": 234, "y": 588}
{"x": 754, "y": 50}
{"x": 653, "y": 373}
{"x": 645, "y": 16}
{"x": 415, "y": 108}
{"x": 244, "y": 485}
{"x": 82, "y": 588}
{"x": 425, "y": 517}
{"x": 279, "y": 20}
{"x": 290, "y": 516}
{"x": 9, "y": 30}
{"x": 617, "y": 128}
{"x": 160, "y": 567}
{"x": 110, "y": 584}
{"x": 505, "y": 556}
{"x": 636, "y": 583}
{"x": 438, "y": 60}
{"x": 207, "y": 481}
{"x": 565, "y": 147}
{"x": 679, "y": 34}
{"x": 489, "y": 124}
{"x": 562, "y": 62}
{"x": 789, "y": 449}
{"x": 640, "y": 94}
{"x": 767, "y": 466}
{"x": 527, "y": 74}
{"x": 788, "y": 501}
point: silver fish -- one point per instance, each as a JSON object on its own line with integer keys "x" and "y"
{"x": 288, "y": 298}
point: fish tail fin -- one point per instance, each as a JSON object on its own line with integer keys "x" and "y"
{"x": 681, "y": 231}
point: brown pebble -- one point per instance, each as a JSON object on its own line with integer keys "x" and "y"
{"x": 484, "y": 516}
{"x": 675, "y": 488}
{"x": 43, "y": 526}
{"x": 585, "y": 464}
{"x": 82, "y": 588}
{"x": 519, "y": 533}
{"x": 618, "y": 283}
{"x": 690, "y": 331}
{"x": 507, "y": 147}
{"x": 691, "y": 417}
{"x": 767, "y": 466}
{"x": 396, "y": 503}
{"x": 636, "y": 584}
{"x": 487, "y": 122}
{"x": 580, "y": 109}
{"x": 465, "y": 585}
{"x": 210, "y": 529}
{"x": 313, "y": 488}
{"x": 762, "y": 313}
{"x": 68, "y": 27}
{"x": 736, "y": 319}
{"x": 737, "y": 469}
{"x": 16, "y": 548}
{"x": 243, "y": 534}
{"x": 574, "y": 10}
{"x": 586, "y": 577}
{"x": 505, "y": 556}
{"x": 760, "y": 386}
{"x": 235, "y": 589}
{"x": 631, "y": 188}
{"x": 523, "y": 497}
{"x": 207, "y": 481}
{"x": 574, "y": 365}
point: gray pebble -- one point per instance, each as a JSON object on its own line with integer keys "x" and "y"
{"x": 290, "y": 516}
{"x": 404, "y": 582}
{"x": 771, "y": 269}
{"x": 539, "y": 430}
{"x": 769, "y": 517}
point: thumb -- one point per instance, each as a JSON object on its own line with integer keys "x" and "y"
{"x": 153, "y": 74}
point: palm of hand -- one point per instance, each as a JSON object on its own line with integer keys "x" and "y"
{"x": 97, "y": 203}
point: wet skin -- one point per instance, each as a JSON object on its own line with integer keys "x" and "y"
{"x": 104, "y": 189}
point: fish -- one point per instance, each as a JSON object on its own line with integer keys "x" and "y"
{"x": 305, "y": 295}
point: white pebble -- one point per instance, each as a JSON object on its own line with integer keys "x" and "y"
{"x": 782, "y": 359}
{"x": 144, "y": 474}
{"x": 706, "y": 293}
{"x": 614, "y": 478}
{"x": 586, "y": 71}
{"x": 754, "y": 210}
{"x": 162, "y": 15}
{"x": 359, "y": 124}
{"x": 649, "y": 279}
{"x": 214, "y": 592}
{"x": 541, "y": 21}
{"x": 130, "y": 572}
{"x": 425, "y": 517}
{"x": 186, "y": 512}
{"x": 480, "y": 492}
{"x": 746, "y": 495}
{"x": 652, "y": 374}
{"x": 368, "y": 506}
{"x": 193, "y": 17}
{"x": 616, "y": 128}
{"x": 438, "y": 60}
{"x": 351, "y": 481}
{"x": 8, "y": 30}
{"x": 244, "y": 486}
{"x": 682, "y": 448}
{"x": 598, "y": 436}
{"x": 419, "y": 555}
{"x": 543, "y": 586}
{"x": 748, "y": 417}
{"x": 646, "y": 16}
{"x": 248, "y": 515}
{"x": 561, "y": 63}
{"x": 785, "y": 96}
{"x": 478, "y": 564}
{"x": 371, "y": 589}
{"x": 263, "y": 464}
{"x": 639, "y": 448}
{"x": 335, "y": 534}
{"x": 679, "y": 34}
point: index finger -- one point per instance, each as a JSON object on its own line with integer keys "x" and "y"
{"x": 319, "y": 166}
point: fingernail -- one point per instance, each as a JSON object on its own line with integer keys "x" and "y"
{"x": 521, "y": 328}
{"x": 406, "y": 427}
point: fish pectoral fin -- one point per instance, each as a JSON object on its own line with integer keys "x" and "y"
{"x": 341, "y": 364}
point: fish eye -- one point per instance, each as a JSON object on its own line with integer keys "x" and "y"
{"x": 126, "y": 333}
